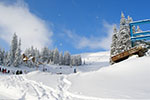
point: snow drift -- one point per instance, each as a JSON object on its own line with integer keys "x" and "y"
{"x": 125, "y": 80}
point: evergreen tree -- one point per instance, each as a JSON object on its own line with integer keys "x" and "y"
{"x": 138, "y": 29}
{"x": 73, "y": 61}
{"x": 1, "y": 59}
{"x": 124, "y": 40}
{"x": 133, "y": 29}
{"x": 79, "y": 60}
{"x": 51, "y": 52}
{"x": 14, "y": 46}
{"x": 3, "y": 55}
{"x": 45, "y": 54}
{"x": 61, "y": 59}
{"x": 129, "y": 20}
{"x": 76, "y": 60}
{"x": 32, "y": 51}
{"x": 18, "y": 57}
{"x": 5, "y": 61}
{"x": 121, "y": 40}
{"x": 37, "y": 56}
{"x": 67, "y": 58}
{"x": 114, "y": 42}
{"x": 27, "y": 51}
{"x": 56, "y": 56}
{"x": 122, "y": 21}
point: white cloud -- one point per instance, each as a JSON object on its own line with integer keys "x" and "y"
{"x": 31, "y": 29}
{"x": 93, "y": 42}
{"x": 106, "y": 41}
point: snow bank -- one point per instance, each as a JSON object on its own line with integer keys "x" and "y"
{"x": 125, "y": 80}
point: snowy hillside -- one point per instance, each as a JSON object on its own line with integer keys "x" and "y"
{"x": 95, "y": 57}
{"x": 125, "y": 80}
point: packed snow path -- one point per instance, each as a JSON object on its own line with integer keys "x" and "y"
{"x": 63, "y": 87}
{"x": 24, "y": 89}
{"x": 64, "y": 94}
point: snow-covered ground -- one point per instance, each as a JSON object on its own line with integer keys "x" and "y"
{"x": 96, "y": 80}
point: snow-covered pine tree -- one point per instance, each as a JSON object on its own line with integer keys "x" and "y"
{"x": 3, "y": 55}
{"x": 124, "y": 40}
{"x": 45, "y": 55}
{"x": 79, "y": 60}
{"x": 37, "y": 56}
{"x": 114, "y": 41}
{"x": 32, "y": 51}
{"x": 61, "y": 59}
{"x": 14, "y": 44}
{"x": 18, "y": 56}
{"x": 5, "y": 61}
{"x": 122, "y": 21}
{"x": 129, "y": 20}
{"x": 67, "y": 58}
{"x": 138, "y": 29}
{"x": 133, "y": 29}
{"x": 56, "y": 56}
{"x": 71, "y": 61}
{"x": 1, "y": 59}
{"x": 121, "y": 40}
{"x": 51, "y": 52}
{"x": 74, "y": 61}
{"x": 49, "y": 57}
{"x": 27, "y": 51}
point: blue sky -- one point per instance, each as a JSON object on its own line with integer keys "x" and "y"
{"x": 70, "y": 25}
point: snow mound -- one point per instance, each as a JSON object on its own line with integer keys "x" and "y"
{"x": 125, "y": 80}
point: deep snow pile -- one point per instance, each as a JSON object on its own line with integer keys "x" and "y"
{"x": 125, "y": 80}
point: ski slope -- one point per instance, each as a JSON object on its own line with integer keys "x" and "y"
{"x": 125, "y": 80}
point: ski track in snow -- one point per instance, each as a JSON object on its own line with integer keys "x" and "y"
{"x": 42, "y": 92}
{"x": 64, "y": 94}
{"x": 29, "y": 89}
